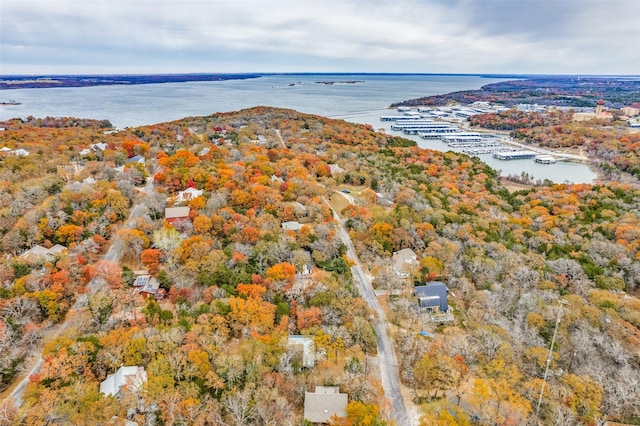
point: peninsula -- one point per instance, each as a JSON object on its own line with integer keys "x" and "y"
{"x": 45, "y": 81}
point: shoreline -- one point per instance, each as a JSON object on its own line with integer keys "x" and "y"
{"x": 46, "y": 82}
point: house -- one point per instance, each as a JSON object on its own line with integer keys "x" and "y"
{"x": 188, "y": 194}
{"x": 57, "y": 250}
{"x": 46, "y": 253}
{"x": 299, "y": 209}
{"x": 278, "y": 179}
{"x": 99, "y": 147}
{"x": 291, "y": 226}
{"x": 148, "y": 286}
{"x": 117, "y": 421}
{"x": 335, "y": 169}
{"x": 404, "y": 262}
{"x": 135, "y": 159}
{"x": 630, "y": 111}
{"x": 324, "y": 403}
{"x": 21, "y": 152}
{"x": 132, "y": 377}
{"x": 433, "y": 297}
{"x": 304, "y": 346}
{"x": 176, "y": 214}
{"x": 85, "y": 152}
{"x": 304, "y": 267}
{"x": 383, "y": 200}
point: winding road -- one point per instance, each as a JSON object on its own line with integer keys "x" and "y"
{"x": 386, "y": 354}
{"x": 113, "y": 255}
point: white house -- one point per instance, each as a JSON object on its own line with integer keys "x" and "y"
{"x": 404, "y": 262}
{"x": 132, "y": 377}
{"x": 291, "y": 226}
{"x": 188, "y": 194}
{"x": 335, "y": 169}
{"x": 304, "y": 346}
{"x": 47, "y": 253}
{"x": 99, "y": 146}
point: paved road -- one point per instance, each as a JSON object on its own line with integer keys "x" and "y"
{"x": 386, "y": 354}
{"x": 112, "y": 255}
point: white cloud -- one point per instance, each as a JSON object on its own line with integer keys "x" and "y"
{"x": 508, "y": 36}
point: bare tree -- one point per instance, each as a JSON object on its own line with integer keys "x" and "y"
{"x": 240, "y": 408}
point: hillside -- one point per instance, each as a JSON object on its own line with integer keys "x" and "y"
{"x": 236, "y": 282}
{"x": 564, "y": 91}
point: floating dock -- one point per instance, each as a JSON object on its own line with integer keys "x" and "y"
{"x": 515, "y": 155}
{"x": 544, "y": 159}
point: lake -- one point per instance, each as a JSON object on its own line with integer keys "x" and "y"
{"x": 361, "y": 102}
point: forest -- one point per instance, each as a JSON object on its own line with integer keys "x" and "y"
{"x": 565, "y": 91}
{"x": 613, "y": 149}
{"x": 554, "y": 266}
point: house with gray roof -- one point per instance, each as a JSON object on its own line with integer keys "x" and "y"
{"x": 326, "y": 401}
{"x": 433, "y": 297}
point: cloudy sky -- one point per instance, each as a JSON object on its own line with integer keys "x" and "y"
{"x": 422, "y": 36}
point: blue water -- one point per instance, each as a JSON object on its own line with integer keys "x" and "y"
{"x": 130, "y": 106}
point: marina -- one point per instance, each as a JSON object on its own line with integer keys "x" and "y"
{"x": 514, "y": 155}
{"x": 130, "y": 106}
{"x": 442, "y": 124}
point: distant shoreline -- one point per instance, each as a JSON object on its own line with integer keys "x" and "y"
{"x": 44, "y": 81}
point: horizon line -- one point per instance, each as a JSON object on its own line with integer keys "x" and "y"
{"x": 479, "y": 74}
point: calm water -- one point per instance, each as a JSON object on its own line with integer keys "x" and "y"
{"x": 129, "y": 106}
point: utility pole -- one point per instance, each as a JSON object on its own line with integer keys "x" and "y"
{"x": 546, "y": 370}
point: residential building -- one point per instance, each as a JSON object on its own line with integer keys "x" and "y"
{"x": 324, "y": 403}
{"x": 136, "y": 159}
{"x": 630, "y": 111}
{"x": 404, "y": 262}
{"x": 291, "y": 226}
{"x": 47, "y": 253}
{"x": 99, "y": 147}
{"x": 176, "y": 214}
{"x": 433, "y": 297}
{"x": 303, "y": 263}
{"x": 188, "y": 194}
{"x": 130, "y": 377}
{"x": 304, "y": 346}
{"x": 335, "y": 169}
{"x": 148, "y": 286}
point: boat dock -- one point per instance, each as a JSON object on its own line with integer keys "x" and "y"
{"x": 514, "y": 155}
{"x": 544, "y": 159}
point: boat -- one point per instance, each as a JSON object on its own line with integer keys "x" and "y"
{"x": 10, "y": 102}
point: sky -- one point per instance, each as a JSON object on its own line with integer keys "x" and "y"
{"x": 253, "y": 36}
